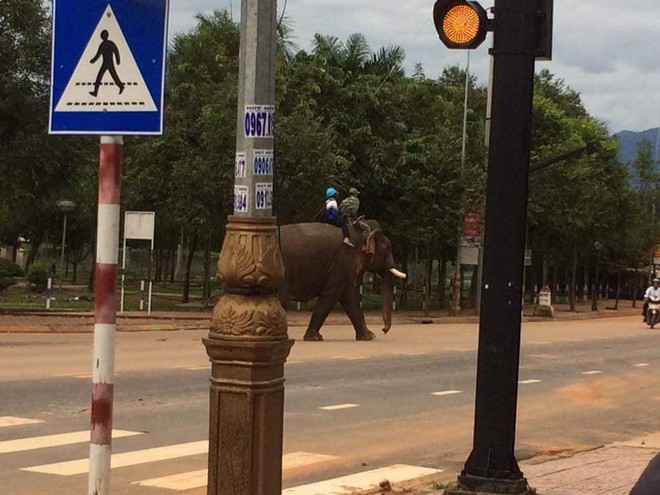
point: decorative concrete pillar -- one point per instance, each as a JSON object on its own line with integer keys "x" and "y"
{"x": 248, "y": 345}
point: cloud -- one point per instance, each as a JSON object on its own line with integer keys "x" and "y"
{"x": 602, "y": 48}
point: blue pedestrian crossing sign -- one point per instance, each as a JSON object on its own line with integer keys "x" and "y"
{"x": 108, "y": 67}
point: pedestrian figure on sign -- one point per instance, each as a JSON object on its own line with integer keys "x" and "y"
{"x": 108, "y": 50}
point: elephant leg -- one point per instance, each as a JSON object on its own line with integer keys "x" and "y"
{"x": 350, "y": 300}
{"x": 324, "y": 305}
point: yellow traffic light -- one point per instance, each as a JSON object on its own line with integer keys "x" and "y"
{"x": 460, "y": 23}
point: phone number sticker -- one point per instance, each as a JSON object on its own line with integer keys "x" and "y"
{"x": 264, "y": 162}
{"x": 263, "y": 197}
{"x": 241, "y": 199}
{"x": 241, "y": 162}
{"x": 259, "y": 121}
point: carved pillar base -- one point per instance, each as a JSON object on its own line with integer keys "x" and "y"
{"x": 248, "y": 346}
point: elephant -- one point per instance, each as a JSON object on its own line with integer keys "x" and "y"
{"x": 317, "y": 264}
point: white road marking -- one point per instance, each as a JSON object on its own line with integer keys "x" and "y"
{"x": 416, "y": 354}
{"x": 58, "y": 440}
{"x": 362, "y": 481}
{"x": 338, "y": 406}
{"x": 356, "y": 358}
{"x": 448, "y": 392}
{"x": 81, "y": 466}
{"x": 197, "y": 479}
{"x": 197, "y": 368}
{"x": 14, "y": 421}
{"x": 592, "y": 372}
{"x": 527, "y": 382}
{"x": 642, "y": 365}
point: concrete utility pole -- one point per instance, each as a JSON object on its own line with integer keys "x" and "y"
{"x": 248, "y": 342}
{"x": 492, "y": 467}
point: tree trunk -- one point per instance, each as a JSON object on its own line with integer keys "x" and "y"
{"x": 618, "y": 285}
{"x": 189, "y": 261}
{"x": 74, "y": 264}
{"x": 403, "y": 298}
{"x": 179, "y": 258}
{"x": 34, "y": 249}
{"x": 168, "y": 259}
{"x": 428, "y": 274}
{"x": 206, "y": 291}
{"x": 14, "y": 249}
{"x": 159, "y": 265}
{"x": 571, "y": 292}
{"x": 634, "y": 297}
{"x": 442, "y": 276}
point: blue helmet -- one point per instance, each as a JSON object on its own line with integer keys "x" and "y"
{"x": 330, "y": 192}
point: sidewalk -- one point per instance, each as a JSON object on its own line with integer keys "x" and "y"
{"x": 83, "y": 322}
{"x": 609, "y": 470}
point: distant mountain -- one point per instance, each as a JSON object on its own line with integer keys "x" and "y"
{"x": 628, "y": 143}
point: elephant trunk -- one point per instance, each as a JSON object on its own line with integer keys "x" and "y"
{"x": 388, "y": 298}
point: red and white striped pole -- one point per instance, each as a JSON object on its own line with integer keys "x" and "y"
{"x": 105, "y": 327}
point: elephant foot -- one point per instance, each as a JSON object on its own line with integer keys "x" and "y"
{"x": 366, "y": 335}
{"x": 315, "y": 336}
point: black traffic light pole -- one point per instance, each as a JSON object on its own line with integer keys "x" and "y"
{"x": 492, "y": 466}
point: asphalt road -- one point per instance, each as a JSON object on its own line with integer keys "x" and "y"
{"x": 405, "y": 398}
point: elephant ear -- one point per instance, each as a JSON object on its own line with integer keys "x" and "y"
{"x": 369, "y": 245}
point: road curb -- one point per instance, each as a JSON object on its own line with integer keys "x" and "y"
{"x": 83, "y": 322}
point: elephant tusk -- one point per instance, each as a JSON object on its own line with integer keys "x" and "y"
{"x": 397, "y": 273}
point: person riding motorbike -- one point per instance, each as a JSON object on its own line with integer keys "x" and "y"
{"x": 652, "y": 292}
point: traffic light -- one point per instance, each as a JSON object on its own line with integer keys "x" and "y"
{"x": 460, "y": 23}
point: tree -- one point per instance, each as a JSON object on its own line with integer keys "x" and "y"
{"x": 36, "y": 170}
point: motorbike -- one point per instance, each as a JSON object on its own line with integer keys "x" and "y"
{"x": 653, "y": 311}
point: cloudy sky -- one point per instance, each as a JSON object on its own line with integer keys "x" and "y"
{"x": 606, "y": 49}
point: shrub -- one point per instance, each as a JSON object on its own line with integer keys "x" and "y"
{"x": 38, "y": 277}
{"x": 10, "y": 269}
{"x": 5, "y": 280}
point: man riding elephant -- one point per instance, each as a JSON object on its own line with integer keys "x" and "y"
{"x": 349, "y": 209}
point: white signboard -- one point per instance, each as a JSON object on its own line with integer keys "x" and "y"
{"x": 545, "y": 297}
{"x": 470, "y": 256}
{"x": 139, "y": 225}
{"x": 263, "y": 162}
{"x": 240, "y": 165}
{"x": 259, "y": 121}
{"x": 241, "y": 199}
{"x": 263, "y": 196}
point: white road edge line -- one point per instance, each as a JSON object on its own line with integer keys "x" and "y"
{"x": 58, "y": 440}
{"x": 592, "y": 372}
{"x": 362, "y": 481}
{"x": 338, "y": 407}
{"x": 642, "y": 365}
{"x": 198, "y": 479}
{"x": 447, "y": 392}
{"x": 14, "y": 421}
{"x": 528, "y": 382}
{"x": 81, "y": 466}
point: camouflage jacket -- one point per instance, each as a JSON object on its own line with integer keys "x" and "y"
{"x": 349, "y": 208}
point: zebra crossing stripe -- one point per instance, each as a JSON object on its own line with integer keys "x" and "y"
{"x": 362, "y": 481}
{"x": 81, "y": 466}
{"x": 43, "y": 442}
{"x": 14, "y": 421}
{"x": 197, "y": 479}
